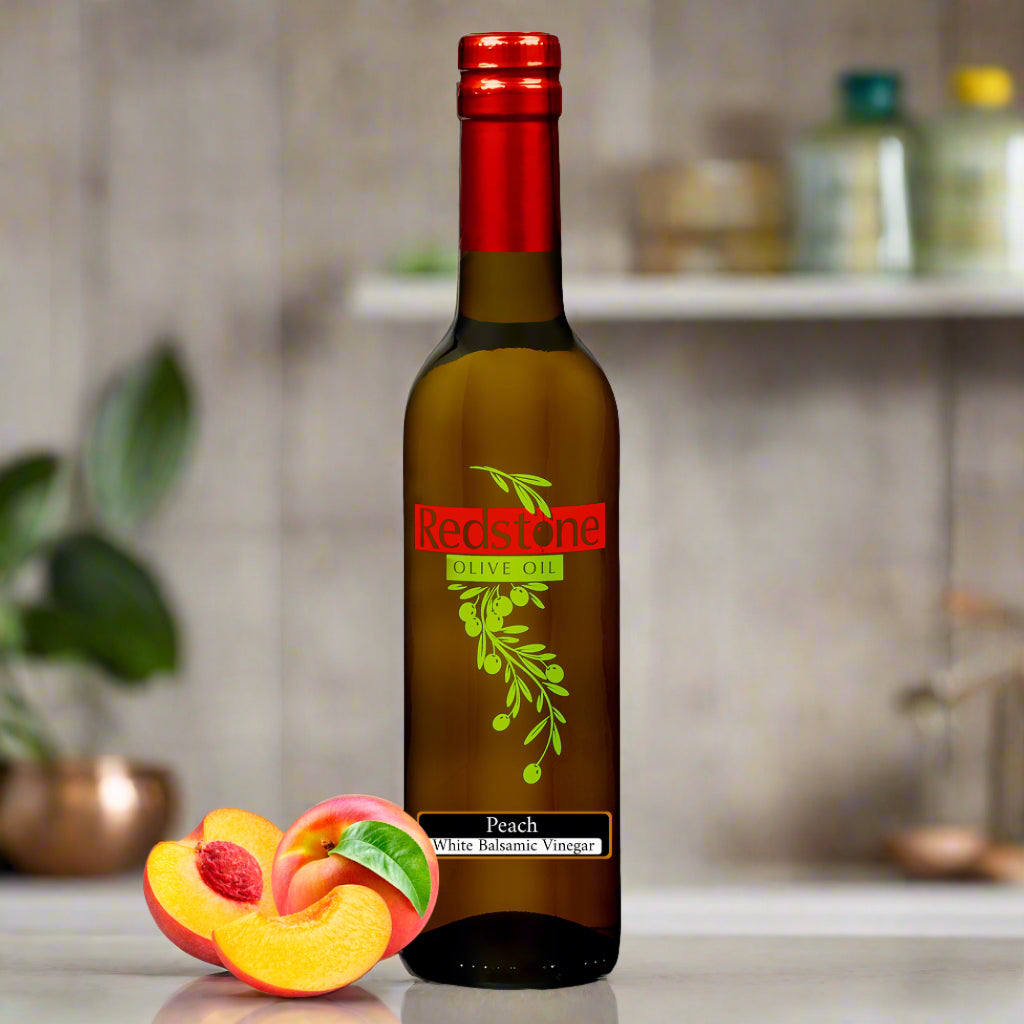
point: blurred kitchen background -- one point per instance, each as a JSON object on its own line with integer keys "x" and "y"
{"x": 798, "y": 492}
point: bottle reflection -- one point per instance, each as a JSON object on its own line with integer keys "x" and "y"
{"x": 221, "y": 999}
{"x": 425, "y": 1003}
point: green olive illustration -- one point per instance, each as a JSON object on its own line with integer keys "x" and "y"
{"x": 519, "y": 596}
{"x": 492, "y": 664}
{"x": 494, "y": 622}
{"x": 467, "y": 611}
{"x": 531, "y": 773}
{"x": 554, "y": 674}
{"x": 500, "y": 723}
{"x": 473, "y": 627}
{"x": 503, "y": 606}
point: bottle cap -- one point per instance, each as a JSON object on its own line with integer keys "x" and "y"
{"x": 982, "y": 86}
{"x": 485, "y": 50}
{"x": 508, "y": 75}
{"x": 870, "y": 95}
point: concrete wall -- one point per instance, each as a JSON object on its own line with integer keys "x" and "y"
{"x": 795, "y": 495}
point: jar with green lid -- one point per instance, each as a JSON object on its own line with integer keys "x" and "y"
{"x": 851, "y": 182}
{"x": 972, "y": 210}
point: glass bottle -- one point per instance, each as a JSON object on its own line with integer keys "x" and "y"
{"x": 511, "y": 571}
{"x": 973, "y": 179}
{"x": 851, "y": 183}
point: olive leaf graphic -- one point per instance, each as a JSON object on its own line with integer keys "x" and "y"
{"x": 524, "y": 485}
{"x": 530, "y": 670}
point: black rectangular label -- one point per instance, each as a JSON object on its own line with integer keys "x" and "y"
{"x": 574, "y": 834}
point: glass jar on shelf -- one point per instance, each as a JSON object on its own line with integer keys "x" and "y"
{"x": 972, "y": 209}
{"x": 851, "y": 182}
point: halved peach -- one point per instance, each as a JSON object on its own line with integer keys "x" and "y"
{"x": 217, "y": 873}
{"x": 320, "y": 949}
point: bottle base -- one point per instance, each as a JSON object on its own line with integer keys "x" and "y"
{"x": 512, "y": 949}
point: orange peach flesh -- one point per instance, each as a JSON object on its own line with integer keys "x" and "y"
{"x": 320, "y": 949}
{"x": 184, "y": 907}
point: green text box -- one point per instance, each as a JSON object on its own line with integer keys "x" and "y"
{"x": 510, "y": 569}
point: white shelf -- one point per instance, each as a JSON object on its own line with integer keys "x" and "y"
{"x": 786, "y": 297}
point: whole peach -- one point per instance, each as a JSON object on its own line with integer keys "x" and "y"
{"x": 304, "y": 870}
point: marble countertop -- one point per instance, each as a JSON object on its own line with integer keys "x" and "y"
{"x": 85, "y": 954}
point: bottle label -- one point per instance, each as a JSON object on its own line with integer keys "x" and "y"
{"x": 499, "y": 562}
{"x": 541, "y": 834}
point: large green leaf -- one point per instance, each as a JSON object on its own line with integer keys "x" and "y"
{"x": 391, "y": 853}
{"x": 104, "y": 607}
{"x": 31, "y": 490}
{"x": 140, "y": 439}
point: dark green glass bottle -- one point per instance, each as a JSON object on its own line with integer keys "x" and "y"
{"x": 511, "y": 571}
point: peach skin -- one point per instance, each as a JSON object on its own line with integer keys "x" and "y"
{"x": 305, "y": 870}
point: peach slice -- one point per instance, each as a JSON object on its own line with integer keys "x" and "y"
{"x": 304, "y": 868}
{"x": 320, "y": 949}
{"x": 217, "y": 873}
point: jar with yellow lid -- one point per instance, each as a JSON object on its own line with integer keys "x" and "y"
{"x": 972, "y": 197}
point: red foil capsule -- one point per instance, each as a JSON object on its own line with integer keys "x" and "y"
{"x": 509, "y": 99}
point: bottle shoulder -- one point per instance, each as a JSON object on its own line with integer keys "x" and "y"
{"x": 522, "y": 343}
{"x": 839, "y": 136}
{"x": 969, "y": 125}
{"x": 530, "y": 360}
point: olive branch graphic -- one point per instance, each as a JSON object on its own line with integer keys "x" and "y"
{"x": 529, "y": 668}
{"x": 523, "y": 484}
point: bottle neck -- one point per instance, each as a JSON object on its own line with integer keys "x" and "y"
{"x": 510, "y": 265}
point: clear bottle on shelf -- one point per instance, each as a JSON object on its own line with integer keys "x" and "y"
{"x": 851, "y": 183}
{"x": 972, "y": 209}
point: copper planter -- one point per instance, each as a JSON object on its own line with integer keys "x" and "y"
{"x": 82, "y": 817}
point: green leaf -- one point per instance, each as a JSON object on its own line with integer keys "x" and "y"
{"x": 30, "y": 506}
{"x": 533, "y": 670}
{"x": 456, "y": 586}
{"x": 140, "y": 439}
{"x": 11, "y": 633}
{"x": 547, "y": 657}
{"x": 510, "y": 696}
{"x": 500, "y": 482}
{"x": 560, "y": 690}
{"x": 515, "y": 629}
{"x": 472, "y": 592}
{"x": 535, "y": 731}
{"x": 536, "y": 600}
{"x": 534, "y": 586}
{"x": 531, "y": 648}
{"x": 558, "y": 714}
{"x": 544, "y": 507}
{"x": 391, "y": 853}
{"x": 508, "y": 675}
{"x": 104, "y": 607}
{"x": 556, "y": 739}
{"x": 527, "y": 693}
{"x": 540, "y": 703}
{"x": 529, "y": 478}
{"x": 524, "y": 497}
{"x": 481, "y": 648}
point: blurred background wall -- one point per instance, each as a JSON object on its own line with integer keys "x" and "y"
{"x": 795, "y": 495}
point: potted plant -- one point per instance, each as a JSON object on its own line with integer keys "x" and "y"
{"x": 73, "y": 589}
